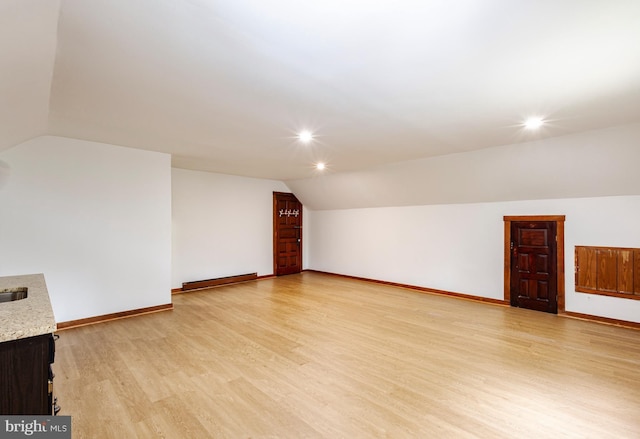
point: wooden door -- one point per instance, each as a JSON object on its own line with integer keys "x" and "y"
{"x": 533, "y": 265}
{"x": 287, "y": 234}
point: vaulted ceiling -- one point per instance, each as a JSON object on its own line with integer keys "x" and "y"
{"x": 225, "y": 85}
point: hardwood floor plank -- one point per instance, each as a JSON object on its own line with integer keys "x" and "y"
{"x": 319, "y": 356}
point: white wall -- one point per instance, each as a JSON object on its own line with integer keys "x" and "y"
{"x": 459, "y": 247}
{"x": 94, "y": 218}
{"x": 222, "y": 225}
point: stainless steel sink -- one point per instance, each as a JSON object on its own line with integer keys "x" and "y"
{"x": 11, "y": 294}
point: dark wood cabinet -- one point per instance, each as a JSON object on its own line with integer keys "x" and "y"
{"x": 26, "y": 378}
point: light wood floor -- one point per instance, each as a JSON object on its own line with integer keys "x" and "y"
{"x": 318, "y": 356}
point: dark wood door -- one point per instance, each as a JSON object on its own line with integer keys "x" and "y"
{"x": 533, "y": 265}
{"x": 287, "y": 234}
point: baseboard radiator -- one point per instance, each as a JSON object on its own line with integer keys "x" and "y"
{"x": 208, "y": 283}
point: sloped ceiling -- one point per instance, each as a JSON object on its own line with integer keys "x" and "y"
{"x": 225, "y": 85}
{"x": 27, "y": 54}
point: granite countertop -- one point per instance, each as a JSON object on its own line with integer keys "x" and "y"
{"x": 27, "y": 317}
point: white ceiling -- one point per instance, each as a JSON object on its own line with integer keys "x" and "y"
{"x": 224, "y": 85}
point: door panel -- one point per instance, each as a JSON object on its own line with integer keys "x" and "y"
{"x": 542, "y": 264}
{"x": 533, "y": 265}
{"x": 287, "y": 234}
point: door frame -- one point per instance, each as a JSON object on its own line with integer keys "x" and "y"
{"x": 559, "y": 220}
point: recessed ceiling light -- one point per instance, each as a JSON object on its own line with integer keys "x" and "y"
{"x": 305, "y": 136}
{"x": 533, "y": 123}
{"x": 320, "y": 166}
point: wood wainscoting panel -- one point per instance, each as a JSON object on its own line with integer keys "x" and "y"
{"x": 608, "y": 271}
